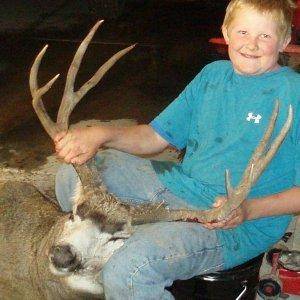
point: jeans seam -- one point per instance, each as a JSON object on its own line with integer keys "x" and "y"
{"x": 149, "y": 261}
{"x": 158, "y": 193}
{"x": 155, "y": 196}
{"x": 133, "y": 199}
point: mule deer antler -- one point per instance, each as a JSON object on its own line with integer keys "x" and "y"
{"x": 95, "y": 198}
{"x": 256, "y": 165}
{"x": 69, "y": 100}
{"x": 258, "y": 161}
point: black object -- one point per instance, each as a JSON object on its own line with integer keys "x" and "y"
{"x": 269, "y": 288}
{"x": 223, "y": 285}
{"x": 286, "y": 236}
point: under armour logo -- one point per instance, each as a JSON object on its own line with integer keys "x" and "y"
{"x": 251, "y": 116}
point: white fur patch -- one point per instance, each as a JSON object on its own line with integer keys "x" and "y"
{"x": 94, "y": 248}
{"x": 87, "y": 284}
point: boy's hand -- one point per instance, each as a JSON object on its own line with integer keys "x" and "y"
{"x": 77, "y": 145}
{"x": 236, "y": 217}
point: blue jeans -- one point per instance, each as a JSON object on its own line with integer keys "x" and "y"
{"x": 156, "y": 254}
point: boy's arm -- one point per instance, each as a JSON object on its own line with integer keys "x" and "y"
{"x": 80, "y": 144}
{"x": 286, "y": 202}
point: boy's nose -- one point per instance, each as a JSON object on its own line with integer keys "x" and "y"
{"x": 252, "y": 44}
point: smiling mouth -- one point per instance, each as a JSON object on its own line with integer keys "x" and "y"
{"x": 249, "y": 56}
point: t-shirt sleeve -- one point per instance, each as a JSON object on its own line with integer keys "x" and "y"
{"x": 173, "y": 123}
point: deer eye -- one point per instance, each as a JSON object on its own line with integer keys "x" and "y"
{"x": 114, "y": 238}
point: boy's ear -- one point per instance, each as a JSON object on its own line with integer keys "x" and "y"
{"x": 285, "y": 42}
{"x": 225, "y": 34}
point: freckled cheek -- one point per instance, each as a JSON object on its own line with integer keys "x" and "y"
{"x": 237, "y": 44}
{"x": 269, "y": 49}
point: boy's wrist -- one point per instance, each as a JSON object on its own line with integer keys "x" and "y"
{"x": 108, "y": 136}
{"x": 247, "y": 210}
{"x": 101, "y": 135}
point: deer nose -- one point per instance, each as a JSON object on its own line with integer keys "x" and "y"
{"x": 64, "y": 257}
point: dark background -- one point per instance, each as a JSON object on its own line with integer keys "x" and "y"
{"x": 172, "y": 47}
{"x": 172, "y": 39}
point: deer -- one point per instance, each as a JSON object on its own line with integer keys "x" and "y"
{"x": 48, "y": 254}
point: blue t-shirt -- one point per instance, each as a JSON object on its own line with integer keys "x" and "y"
{"x": 220, "y": 118}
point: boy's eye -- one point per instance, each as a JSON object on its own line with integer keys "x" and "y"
{"x": 265, "y": 36}
{"x": 242, "y": 32}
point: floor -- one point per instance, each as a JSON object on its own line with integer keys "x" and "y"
{"x": 172, "y": 47}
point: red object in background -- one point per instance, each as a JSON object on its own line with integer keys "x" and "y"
{"x": 296, "y": 20}
{"x": 290, "y": 281}
{"x": 296, "y": 24}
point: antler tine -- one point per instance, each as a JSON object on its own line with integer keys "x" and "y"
{"x": 248, "y": 175}
{"x": 101, "y": 71}
{"x": 228, "y": 185}
{"x": 37, "y": 94}
{"x": 260, "y": 158}
{"x": 260, "y": 149}
{"x": 274, "y": 147}
{"x": 266, "y": 137}
{"x": 33, "y": 84}
{"x": 71, "y": 98}
{"x": 75, "y": 65}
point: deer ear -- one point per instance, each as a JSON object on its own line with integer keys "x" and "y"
{"x": 78, "y": 197}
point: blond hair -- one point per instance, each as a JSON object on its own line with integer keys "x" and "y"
{"x": 280, "y": 10}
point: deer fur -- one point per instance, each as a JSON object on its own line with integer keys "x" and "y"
{"x": 32, "y": 229}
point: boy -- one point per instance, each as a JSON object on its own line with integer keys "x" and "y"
{"x": 219, "y": 118}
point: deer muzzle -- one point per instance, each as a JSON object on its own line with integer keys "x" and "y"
{"x": 64, "y": 258}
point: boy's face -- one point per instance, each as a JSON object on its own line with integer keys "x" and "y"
{"x": 253, "y": 42}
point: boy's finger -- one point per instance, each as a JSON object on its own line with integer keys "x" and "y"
{"x": 59, "y": 136}
{"x": 214, "y": 225}
{"x": 80, "y": 159}
{"x": 207, "y": 226}
{"x": 66, "y": 154}
{"x": 231, "y": 224}
{"x": 234, "y": 221}
{"x": 74, "y": 152}
{"x": 64, "y": 142}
